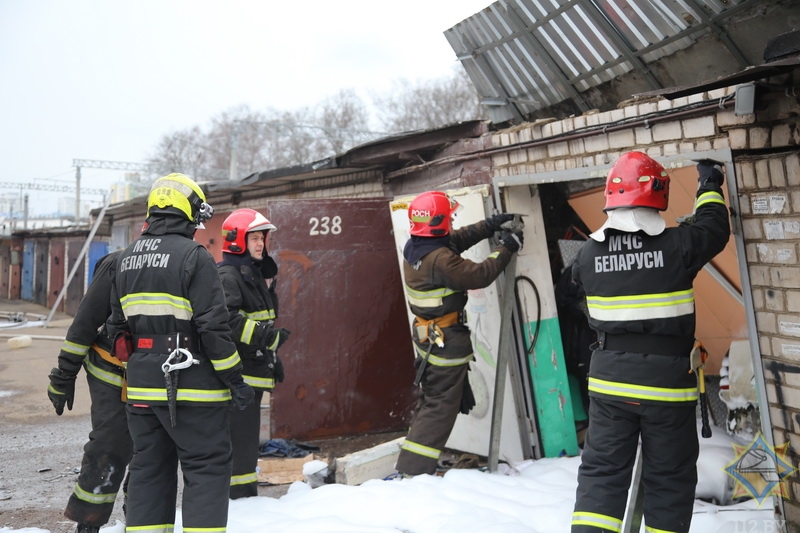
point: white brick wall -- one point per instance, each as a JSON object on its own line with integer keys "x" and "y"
{"x": 667, "y": 131}
{"x": 596, "y": 143}
{"x": 793, "y": 170}
{"x": 699, "y": 127}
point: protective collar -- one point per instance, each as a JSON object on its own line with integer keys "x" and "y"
{"x": 418, "y": 247}
{"x": 162, "y": 224}
{"x": 631, "y": 220}
{"x": 267, "y": 266}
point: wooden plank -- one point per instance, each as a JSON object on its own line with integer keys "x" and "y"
{"x": 282, "y": 470}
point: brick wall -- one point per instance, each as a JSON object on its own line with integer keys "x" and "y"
{"x": 767, "y": 167}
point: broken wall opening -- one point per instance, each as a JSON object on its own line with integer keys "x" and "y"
{"x": 573, "y": 206}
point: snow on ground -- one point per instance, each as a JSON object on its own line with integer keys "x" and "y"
{"x": 535, "y": 497}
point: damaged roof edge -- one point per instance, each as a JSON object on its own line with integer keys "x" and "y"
{"x": 381, "y": 152}
{"x": 766, "y": 70}
{"x": 307, "y": 168}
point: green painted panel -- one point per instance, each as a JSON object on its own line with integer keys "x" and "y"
{"x": 551, "y": 390}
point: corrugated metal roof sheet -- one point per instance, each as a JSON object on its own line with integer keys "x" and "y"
{"x": 526, "y": 55}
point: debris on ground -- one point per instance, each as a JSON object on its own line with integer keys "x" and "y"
{"x": 286, "y": 448}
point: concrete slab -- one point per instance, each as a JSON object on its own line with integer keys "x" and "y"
{"x": 373, "y": 463}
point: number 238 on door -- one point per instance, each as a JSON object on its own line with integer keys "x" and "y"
{"x": 325, "y": 225}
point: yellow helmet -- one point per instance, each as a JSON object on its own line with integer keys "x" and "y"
{"x": 180, "y": 193}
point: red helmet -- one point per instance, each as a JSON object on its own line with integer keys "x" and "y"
{"x": 429, "y": 214}
{"x": 637, "y": 180}
{"x": 236, "y": 227}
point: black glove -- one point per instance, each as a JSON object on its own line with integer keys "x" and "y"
{"x": 242, "y": 395}
{"x": 61, "y": 390}
{"x": 512, "y": 241}
{"x": 710, "y": 174}
{"x": 495, "y": 222}
{"x": 277, "y": 370}
{"x": 274, "y": 338}
{"x": 467, "y": 398}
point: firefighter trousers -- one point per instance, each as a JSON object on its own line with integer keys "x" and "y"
{"x": 437, "y": 409}
{"x": 201, "y": 443}
{"x": 669, "y": 465}
{"x": 105, "y": 457}
{"x": 245, "y": 436}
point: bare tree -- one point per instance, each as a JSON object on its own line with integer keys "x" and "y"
{"x": 430, "y": 104}
{"x": 270, "y": 139}
{"x": 240, "y": 131}
{"x": 183, "y": 151}
{"x": 342, "y": 122}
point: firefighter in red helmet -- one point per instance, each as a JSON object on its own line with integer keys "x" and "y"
{"x": 253, "y": 309}
{"x": 637, "y": 275}
{"x": 437, "y": 279}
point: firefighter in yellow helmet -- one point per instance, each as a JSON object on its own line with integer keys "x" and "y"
{"x": 637, "y": 275}
{"x": 437, "y": 280}
{"x": 169, "y": 322}
{"x": 253, "y": 309}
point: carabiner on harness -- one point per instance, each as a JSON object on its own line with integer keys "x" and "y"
{"x": 184, "y": 359}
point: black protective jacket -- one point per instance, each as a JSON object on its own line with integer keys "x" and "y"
{"x": 641, "y": 302}
{"x": 88, "y": 328}
{"x": 252, "y": 310}
{"x": 166, "y": 283}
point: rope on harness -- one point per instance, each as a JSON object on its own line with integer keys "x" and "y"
{"x": 184, "y": 359}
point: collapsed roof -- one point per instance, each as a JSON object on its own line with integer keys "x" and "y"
{"x": 532, "y": 59}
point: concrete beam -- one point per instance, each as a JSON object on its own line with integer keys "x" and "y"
{"x": 373, "y": 463}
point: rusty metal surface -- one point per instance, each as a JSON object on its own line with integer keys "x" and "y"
{"x": 5, "y": 269}
{"x": 41, "y": 253}
{"x": 211, "y": 235}
{"x": 76, "y": 288}
{"x": 57, "y": 272}
{"x": 349, "y": 360}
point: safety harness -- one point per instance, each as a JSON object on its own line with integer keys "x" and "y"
{"x": 430, "y": 331}
{"x": 105, "y": 355}
{"x": 178, "y": 345}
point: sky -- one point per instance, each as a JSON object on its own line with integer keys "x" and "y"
{"x": 99, "y": 80}
{"x": 530, "y": 497}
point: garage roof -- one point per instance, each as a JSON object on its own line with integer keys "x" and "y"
{"x": 527, "y": 55}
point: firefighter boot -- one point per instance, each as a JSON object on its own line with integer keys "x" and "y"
{"x": 83, "y": 528}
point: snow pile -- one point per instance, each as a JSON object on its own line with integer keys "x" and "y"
{"x": 532, "y": 497}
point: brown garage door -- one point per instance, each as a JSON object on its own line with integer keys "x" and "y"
{"x": 349, "y": 359}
